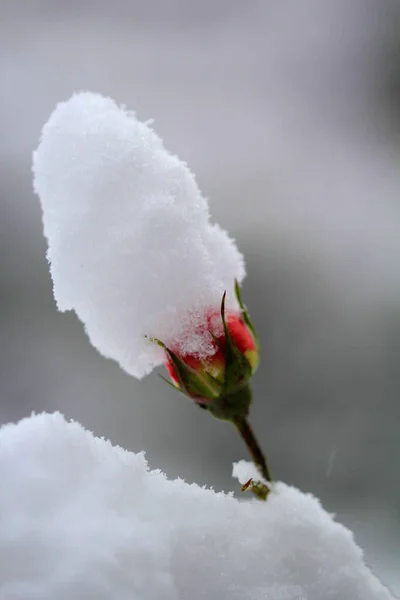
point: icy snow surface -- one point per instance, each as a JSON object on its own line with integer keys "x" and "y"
{"x": 130, "y": 243}
{"x": 81, "y": 519}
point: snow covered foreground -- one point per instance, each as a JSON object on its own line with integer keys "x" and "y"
{"x": 81, "y": 519}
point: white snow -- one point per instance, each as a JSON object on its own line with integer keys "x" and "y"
{"x": 81, "y": 519}
{"x": 130, "y": 243}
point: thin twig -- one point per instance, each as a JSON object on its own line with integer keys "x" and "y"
{"x": 253, "y": 446}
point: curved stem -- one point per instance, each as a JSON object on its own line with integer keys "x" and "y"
{"x": 253, "y": 446}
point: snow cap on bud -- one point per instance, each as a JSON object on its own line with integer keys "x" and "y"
{"x": 220, "y": 381}
{"x": 130, "y": 243}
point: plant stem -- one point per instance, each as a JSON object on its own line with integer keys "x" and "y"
{"x": 253, "y": 446}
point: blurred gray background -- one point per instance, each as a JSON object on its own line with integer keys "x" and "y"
{"x": 289, "y": 114}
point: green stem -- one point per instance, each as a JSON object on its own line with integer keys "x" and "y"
{"x": 253, "y": 446}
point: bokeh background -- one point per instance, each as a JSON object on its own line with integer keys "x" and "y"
{"x": 289, "y": 114}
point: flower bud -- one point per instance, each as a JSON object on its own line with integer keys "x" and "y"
{"x": 220, "y": 382}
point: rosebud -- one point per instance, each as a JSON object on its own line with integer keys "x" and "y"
{"x": 219, "y": 382}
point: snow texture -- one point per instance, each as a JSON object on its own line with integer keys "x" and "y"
{"x": 130, "y": 243}
{"x": 82, "y": 519}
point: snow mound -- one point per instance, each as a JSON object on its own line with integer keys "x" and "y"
{"x": 82, "y": 519}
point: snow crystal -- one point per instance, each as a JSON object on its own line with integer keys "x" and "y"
{"x": 82, "y": 519}
{"x": 130, "y": 243}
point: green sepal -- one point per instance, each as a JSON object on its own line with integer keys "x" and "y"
{"x": 175, "y": 387}
{"x": 238, "y": 370}
{"x": 245, "y": 314}
{"x": 214, "y": 381}
{"x": 190, "y": 381}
